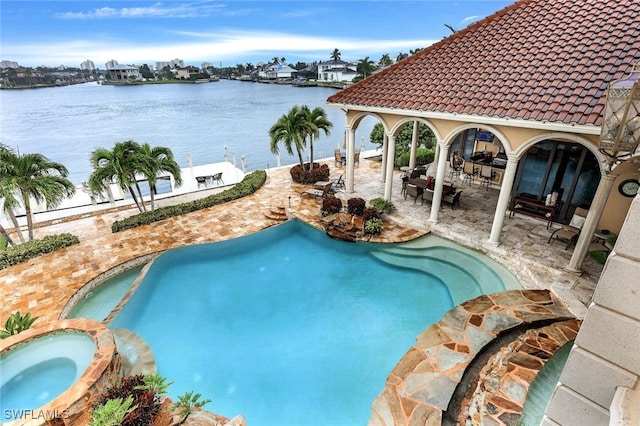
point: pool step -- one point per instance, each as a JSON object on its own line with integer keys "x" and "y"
{"x": 485, "y": 275}
{"x": 461, "y": 284}
{"x": 277, "y": 213}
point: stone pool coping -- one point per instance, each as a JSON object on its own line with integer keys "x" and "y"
{"x": 101, "y": 373}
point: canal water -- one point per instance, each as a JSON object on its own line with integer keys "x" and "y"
{"x": 198, "y": 120}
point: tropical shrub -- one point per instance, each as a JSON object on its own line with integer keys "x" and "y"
{"x": 373, "y": 226}
{"x": 154, "y": 383}
{"x": 3, "y": 243}
{"x": 423, "y": 156}
{"x": 147, "y": 404}
{"x": 370, "y": 213}
{"x": 34, "y": 248}
{"x": 382, "y": 205}
{"x": 331, "y": 205}
{"x": 356, "y": 206}
{"x": 250, "y": 184}
{"x": 188, "y": 403}
{"x": 112, "y": 412}
{"x": 17, "y": 323}
{"x": 318, "y": 173}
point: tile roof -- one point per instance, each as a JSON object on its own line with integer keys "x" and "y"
{"x": 542, "y": 60}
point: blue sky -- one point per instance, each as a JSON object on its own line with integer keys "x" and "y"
{"x": 53, "y": 33}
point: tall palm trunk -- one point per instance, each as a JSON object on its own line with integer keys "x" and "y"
{"x": 27, "y": 210}
{"x": 144, "y": 208}
{"x": 6, "y": 235}
{"x": 16, "y": 225}
{"x": 311, "y": 153}
{"x": 152, "y": 190}
{"x": 301, "y": 159}
{"x": 135, "y": 198}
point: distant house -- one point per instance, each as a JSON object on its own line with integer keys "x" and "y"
{"x": 277, "y": 71}
{"x": 310, "y": 72}
{"x": 187, "y": 72}
{"x": 336, "y": 71}
{"x": 119, "y": 72}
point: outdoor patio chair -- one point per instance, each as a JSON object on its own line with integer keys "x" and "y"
{"x": 470, "y": 172}
{"x": 487, "y": 175}
{"x": 217, "y": 178}
{"x": 415, "y": 192}
{"x": 201, "y": 180}
{"x": 453, "y": 199}
{"x": 317, "y": 192}
{"x": 338, "y": 158}
{"x": 338, "y": 183}
{"x": 570, "y": 233}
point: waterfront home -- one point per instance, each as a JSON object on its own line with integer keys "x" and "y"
{"x": 336, "y": 71}
{"x": 527, "y": 86}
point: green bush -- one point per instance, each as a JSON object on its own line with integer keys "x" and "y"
{"x": 423, "y": 156}
{"x": 250, "y": 184}
{"x": 373, "y": 226}
{"x": 319, "y": 172}
{"x": 3, "y": 243}
{"x": 147, "y": 403}
{"x": 17, "y": 323}
{"x": 34, "y": 248}
{"x": 382, "y": 205}
{"x": 188, "y": 403}
{"x": 112, "y": 412}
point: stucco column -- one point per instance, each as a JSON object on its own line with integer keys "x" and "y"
{"x": 437, "y": 190}
{"x": 350, "y": 163}
{"x": 590, "y": 223}
{"x": 385, "y": 144}
{"x": 414, "y": 146}
{"x": 503, "y": 199}
{"x": 388, "y": 181}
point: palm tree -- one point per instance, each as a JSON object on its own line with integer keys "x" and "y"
{"x": 155, "y": 160}
{"x": 335, "y": 55}
{"x": 317, "y": 119}
{"x": 291, "y": 129}
{"x": 34, "y": 176}
{"x": 385, "y": 60}
{"x": 365, "y": 67}
{"x": 7, "y": 198}
{"x": 119, "y": 165}
{"x": 10, "y": 203}
{"x": 401, "y": 56}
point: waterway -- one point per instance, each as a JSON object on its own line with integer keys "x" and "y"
{"x": 198, "y": 120}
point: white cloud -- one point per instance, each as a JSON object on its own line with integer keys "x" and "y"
{"x": 157, "y": 10}
{"x": 233, "y": 46}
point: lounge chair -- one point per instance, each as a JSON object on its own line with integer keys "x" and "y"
{"x": 570, "y": 233}
{"x": 319, "y": 190}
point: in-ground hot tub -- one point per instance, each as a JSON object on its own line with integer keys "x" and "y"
{"x": 55, "y": 371}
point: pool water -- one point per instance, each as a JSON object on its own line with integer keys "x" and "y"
{"x": 288, "y": 326}
{"x": 543, "y": 385}
{"x": 40, "y": 370}
{"x": 98, "y": 303}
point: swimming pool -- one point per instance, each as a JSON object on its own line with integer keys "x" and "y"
{"x": 289, "y": 327}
